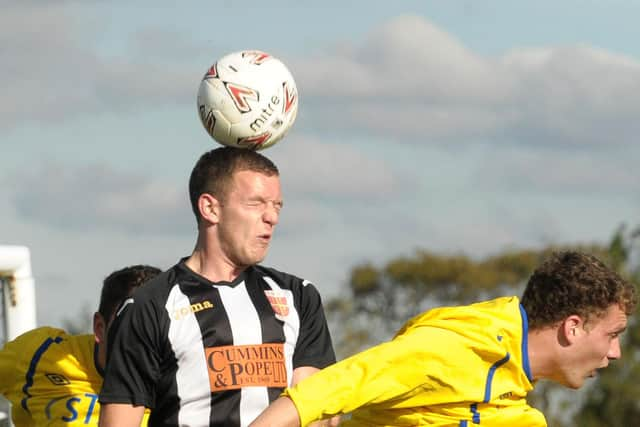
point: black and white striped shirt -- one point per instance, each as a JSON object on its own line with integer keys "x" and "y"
{"x": 200, "y": 353}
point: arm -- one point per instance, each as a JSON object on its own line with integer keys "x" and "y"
{"x": 340, "y": 388}
{"x": 383, "y": 375}
{"x": 298, "y": 375}
{"x": 281, "y": 413}
{"x": 120, "y": 415}
{"x": 301, "y": 373}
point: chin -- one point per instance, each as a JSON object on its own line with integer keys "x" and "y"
{"x": 572, "y": 383}
{"x": 577, "y": 384}
{"x": 256, "y": 259}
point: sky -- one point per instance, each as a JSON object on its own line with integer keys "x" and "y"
{"x": 452, "y": 126}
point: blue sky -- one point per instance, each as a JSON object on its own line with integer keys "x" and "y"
{"x": 454, "y": 126}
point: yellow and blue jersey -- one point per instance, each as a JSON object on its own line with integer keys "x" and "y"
{"x": 51, "y": 378}
{"x": 452, "y": 366}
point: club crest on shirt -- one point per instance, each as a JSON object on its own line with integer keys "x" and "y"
{"x": 278, "y": 302}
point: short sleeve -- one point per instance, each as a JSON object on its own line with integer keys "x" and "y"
{"x": 314, "y": 347}
{"x": 17, "y": 355}
{"x": 134, "y": 356}
{"x": 8, "y": 362}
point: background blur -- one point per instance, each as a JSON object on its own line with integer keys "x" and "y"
{"x": 472, "y": 134}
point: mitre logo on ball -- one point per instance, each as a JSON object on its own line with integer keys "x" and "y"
{"x": 248, "y": 99}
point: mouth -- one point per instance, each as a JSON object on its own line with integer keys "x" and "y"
{"x": 264, "y": 238}
{"x": 595, "y": 372}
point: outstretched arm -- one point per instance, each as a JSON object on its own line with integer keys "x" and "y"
{"x": 283, "y": 413}
{"x": 298, "y": 375}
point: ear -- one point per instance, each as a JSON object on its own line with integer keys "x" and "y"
{"x": 209, "y": 208}
{"x": 572, "y": 328}
{"x": 99, "y": 328}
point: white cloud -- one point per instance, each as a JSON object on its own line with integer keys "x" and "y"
{"x": 408, "y": 80}
{"x": 330, "y": 169}
{"x": 562, "y": 172}
{"x": 97, "y": 197}
{"x": 413, "y": 81}
{"x": 56, "y": 72}
{"x": 406, "y": 58}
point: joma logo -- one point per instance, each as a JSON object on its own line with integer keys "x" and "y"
{"x": 182, "y": 312}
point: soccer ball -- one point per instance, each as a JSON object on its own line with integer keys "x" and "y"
{"x": 248, "y": 99}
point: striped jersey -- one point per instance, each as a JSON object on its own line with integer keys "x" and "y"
{"x": 451, "y": 366}
{"x": 200, "y": 353}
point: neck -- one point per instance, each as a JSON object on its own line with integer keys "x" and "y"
{"x": 542, "y": 346}
{"x": 214, "y": 268}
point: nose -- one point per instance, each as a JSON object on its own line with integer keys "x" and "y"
{"x": 271, "y": 214}
{"x": 614, "y": 350}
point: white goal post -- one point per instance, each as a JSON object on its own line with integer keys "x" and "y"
{"x": 17, "y": 289}
{"x": 17, "y": 303}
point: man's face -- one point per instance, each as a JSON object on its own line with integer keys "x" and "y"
{"x": 597, "y": 342}
{"x": 248, "y": 216}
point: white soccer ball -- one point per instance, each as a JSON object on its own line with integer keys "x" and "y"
{"x": 248, "y": 99}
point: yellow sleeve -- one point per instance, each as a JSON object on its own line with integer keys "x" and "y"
{"x": 145, "y": 418}
{"x": 16, "y": 355}
{"x": 8, "y": 371}
{"x": 446, "y": 366}
{"x": 54, "y": 381}
{"x": 391, "y": 373}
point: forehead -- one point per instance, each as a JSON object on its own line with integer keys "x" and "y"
{"x": 614, "y": 318}
{"x": 252, "y": 182}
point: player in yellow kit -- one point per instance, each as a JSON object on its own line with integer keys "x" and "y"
{"x": 458, "y": 385}
{"x": 474, "y": 365}
{"x": 53, "y": 378}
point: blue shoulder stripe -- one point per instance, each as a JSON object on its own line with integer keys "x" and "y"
{"x": 525, "y": 343}
{"x": 492, "y": 370}
{"x": 32, "y": 368}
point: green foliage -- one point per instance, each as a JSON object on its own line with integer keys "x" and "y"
{"x": 364, "y": 279}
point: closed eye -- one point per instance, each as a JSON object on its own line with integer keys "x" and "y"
{"x": 262, "y": 203}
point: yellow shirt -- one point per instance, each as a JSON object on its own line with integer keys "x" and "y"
{"x": 51, "y": 379}
{"x": 451, "y": 366}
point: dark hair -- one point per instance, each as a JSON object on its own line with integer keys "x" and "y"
{"x": 120, "y": 284}
{"x": 213, "y": 173}
{"x": 574, "y": 283}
